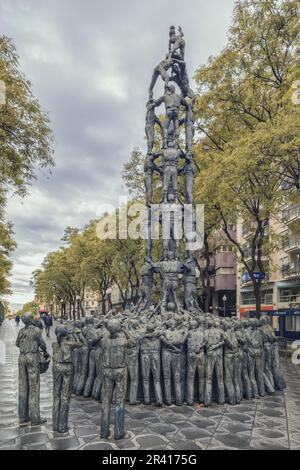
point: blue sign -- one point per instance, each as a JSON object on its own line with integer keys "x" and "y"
{"x": 259, "y": 275}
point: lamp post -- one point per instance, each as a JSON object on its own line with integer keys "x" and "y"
{"x": 224, "y": 298}
{"x": 61, "y": 310}
{"x": 78, "y": 306}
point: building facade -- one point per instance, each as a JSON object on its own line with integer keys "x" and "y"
{"x": 281, "y": 287}
{"x": 222, "y": 274}
{"x": 94, "y": 304}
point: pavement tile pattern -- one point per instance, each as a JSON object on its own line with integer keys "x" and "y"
{"x": 272, "y": 422}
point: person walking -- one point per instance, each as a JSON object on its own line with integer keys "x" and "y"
{"x": 48, "y": 322}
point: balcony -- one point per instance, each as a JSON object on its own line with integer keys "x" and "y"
{"x": 225, "y": 259}
{"x": 290, "y": 269}
{"x": 245, "y": 231}
{"x": 249, "y": 230}
{"x": 248, "y": 256}
{"x": 290, "y": 298}
{"x": 225, "y": 281}
{"x": 291, "y": 243}
{"x": 290, "y": 214}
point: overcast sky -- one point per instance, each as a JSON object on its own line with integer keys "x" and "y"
{"x": 90, "y": 64}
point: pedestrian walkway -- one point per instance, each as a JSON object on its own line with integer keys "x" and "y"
{"x": 272, "y": 422}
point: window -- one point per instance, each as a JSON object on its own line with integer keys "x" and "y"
{"x": 248, "y": 298}
{"x": 290, "y": 294}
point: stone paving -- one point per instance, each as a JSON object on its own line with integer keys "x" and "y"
{"x": 272, "y": 422}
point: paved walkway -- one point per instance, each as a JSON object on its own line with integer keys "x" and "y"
{"x": 272, "y": 422}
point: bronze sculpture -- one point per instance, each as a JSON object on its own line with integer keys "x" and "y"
{"x": 63, "y": 370}
{"x": 30, "y": 344}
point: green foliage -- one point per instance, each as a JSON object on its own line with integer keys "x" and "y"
{"x": 133, "y": 174}
{"x": 25, "y": 135}
{"x": 89, "y": 262}
{"x": 31, "y": 306}
{"x": 7, "y": 245}
{"x": 25, "y": 143}
{"x": 244, "y": 109}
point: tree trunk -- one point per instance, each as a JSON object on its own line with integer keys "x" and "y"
{"x": 103, "y": 305}
{"x": 257, "y": 294}
{"x": 82, "y": 310}
{"x": 208, "y": 293}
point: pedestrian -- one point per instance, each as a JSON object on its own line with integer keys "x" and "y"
{"x": 48, "y": 322}
{"x": 17, "y": 320}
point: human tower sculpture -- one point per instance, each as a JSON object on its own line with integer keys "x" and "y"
{"x": 176, "y": 130}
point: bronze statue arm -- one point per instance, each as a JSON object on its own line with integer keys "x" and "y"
{"x": 156, "y": 155}
{"x": 159, "y": 101}
{"x": 216, "y": 346}
{"x": 157, "y": 168}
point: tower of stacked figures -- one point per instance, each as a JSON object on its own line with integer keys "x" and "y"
{"x": 172, "y": 160}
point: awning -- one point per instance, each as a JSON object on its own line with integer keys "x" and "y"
{"x": 247, "y": 289}
{"x": 263, "y": 287}
{"x": 279, "y": 313}
{"x": 288, "y": 284}
{"x": 267, "y": 312}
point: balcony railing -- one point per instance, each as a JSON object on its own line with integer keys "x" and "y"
{"x": 290, "y": 213}
{"x": 291, "y": 243}
{"x": 290, "y": 269}
{"x": 290, "y": 298}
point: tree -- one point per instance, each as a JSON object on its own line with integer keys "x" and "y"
{"x": 211, "y": 224}
{"x": 240, "y": 107}
{"x": 133, "y": 174}
{"x": 25, "y": 135}
{"x": 7, "y": 245}
{"x": 31, "y": 306}
{"x": 126, "y": 254}
{"x": 25, "y": 143}
{"x": 98, "y": 262}
{"x": 64, "y": 273}
{"x": 126, "y": 266}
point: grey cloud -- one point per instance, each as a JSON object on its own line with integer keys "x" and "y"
{"x": 90, "y": 63}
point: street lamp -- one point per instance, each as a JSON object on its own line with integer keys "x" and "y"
{"x": 224, "y": 298}
{"x": 61, "y": 310}
{"x": 78, "y": 306}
